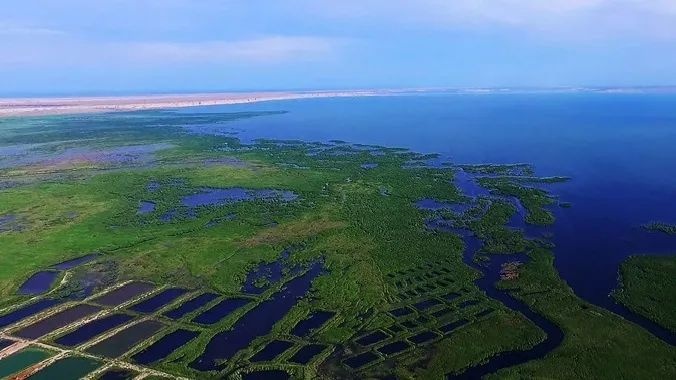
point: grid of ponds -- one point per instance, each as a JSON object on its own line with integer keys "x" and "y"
{"x": 140, "y": 324}
{"x": 431, "y": 305}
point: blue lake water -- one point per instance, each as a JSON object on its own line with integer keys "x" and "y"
{"x": 617, "y": 148}
{"x": 38, "y": 283}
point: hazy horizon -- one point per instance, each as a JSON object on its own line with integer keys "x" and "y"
{"x": 178, "y": 46}
{"x": 429, "y": 90}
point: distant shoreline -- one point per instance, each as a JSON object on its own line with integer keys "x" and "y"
{"x": 98, "y": 104}
{"x": 43, "y": 106}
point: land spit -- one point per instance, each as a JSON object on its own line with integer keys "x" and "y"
{"x": 78, "y": 105}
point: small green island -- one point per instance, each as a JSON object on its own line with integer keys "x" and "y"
{"x": 647, "y": 286}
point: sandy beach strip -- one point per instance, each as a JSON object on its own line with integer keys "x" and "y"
{"x": 80, "y": 105}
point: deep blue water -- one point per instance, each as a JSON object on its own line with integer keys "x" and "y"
{"x": 617, "y": 148}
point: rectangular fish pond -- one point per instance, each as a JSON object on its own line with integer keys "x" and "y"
{"x": 70, "y": 368}
{"x": 271, "y": 351}
{"x": 126, "y": 339}
{"x": 191, "y": 305}
{"x": 124, "y": 293}
{"x": 372, "y": 338}
{"x": 92, "y": 329}
{"x": 307, "y": 353}
{"x": 4, "y": 343}
{"x": 56, "y": 321}
{"x": 361, "y": 360}
{"x": 165, "y": 346}
{"x": 118, "y": 374}
{"x": 158, "y": 301}
{"x": 21, "y": 360}
{"x": 220, "y": 310}
{"x": 27, "y": 311}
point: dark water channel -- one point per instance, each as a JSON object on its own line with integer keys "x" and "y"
{"x": 491, "y": 275}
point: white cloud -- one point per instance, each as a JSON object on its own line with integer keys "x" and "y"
{"x": 81, "y": 53}
{"x": 567, "y": 18}
{"x": 263, "y": 50}
{"x": 9, "y": 29}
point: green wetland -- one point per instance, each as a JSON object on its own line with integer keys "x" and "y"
{"x": 232, "y": 242}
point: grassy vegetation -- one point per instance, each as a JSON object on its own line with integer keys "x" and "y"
{"x": 373, "y": 243}
{"x": 647, "y": 286}
{"x": 597, "y": 343}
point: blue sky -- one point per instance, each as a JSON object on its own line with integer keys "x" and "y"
{"x": 86, "y": 46}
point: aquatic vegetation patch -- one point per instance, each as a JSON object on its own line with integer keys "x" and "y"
{"x": 669, "y": 229}
{"x": 11, "y": 223}
{"x": 264, "y": 275}
{"x": 219, "y": 197}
